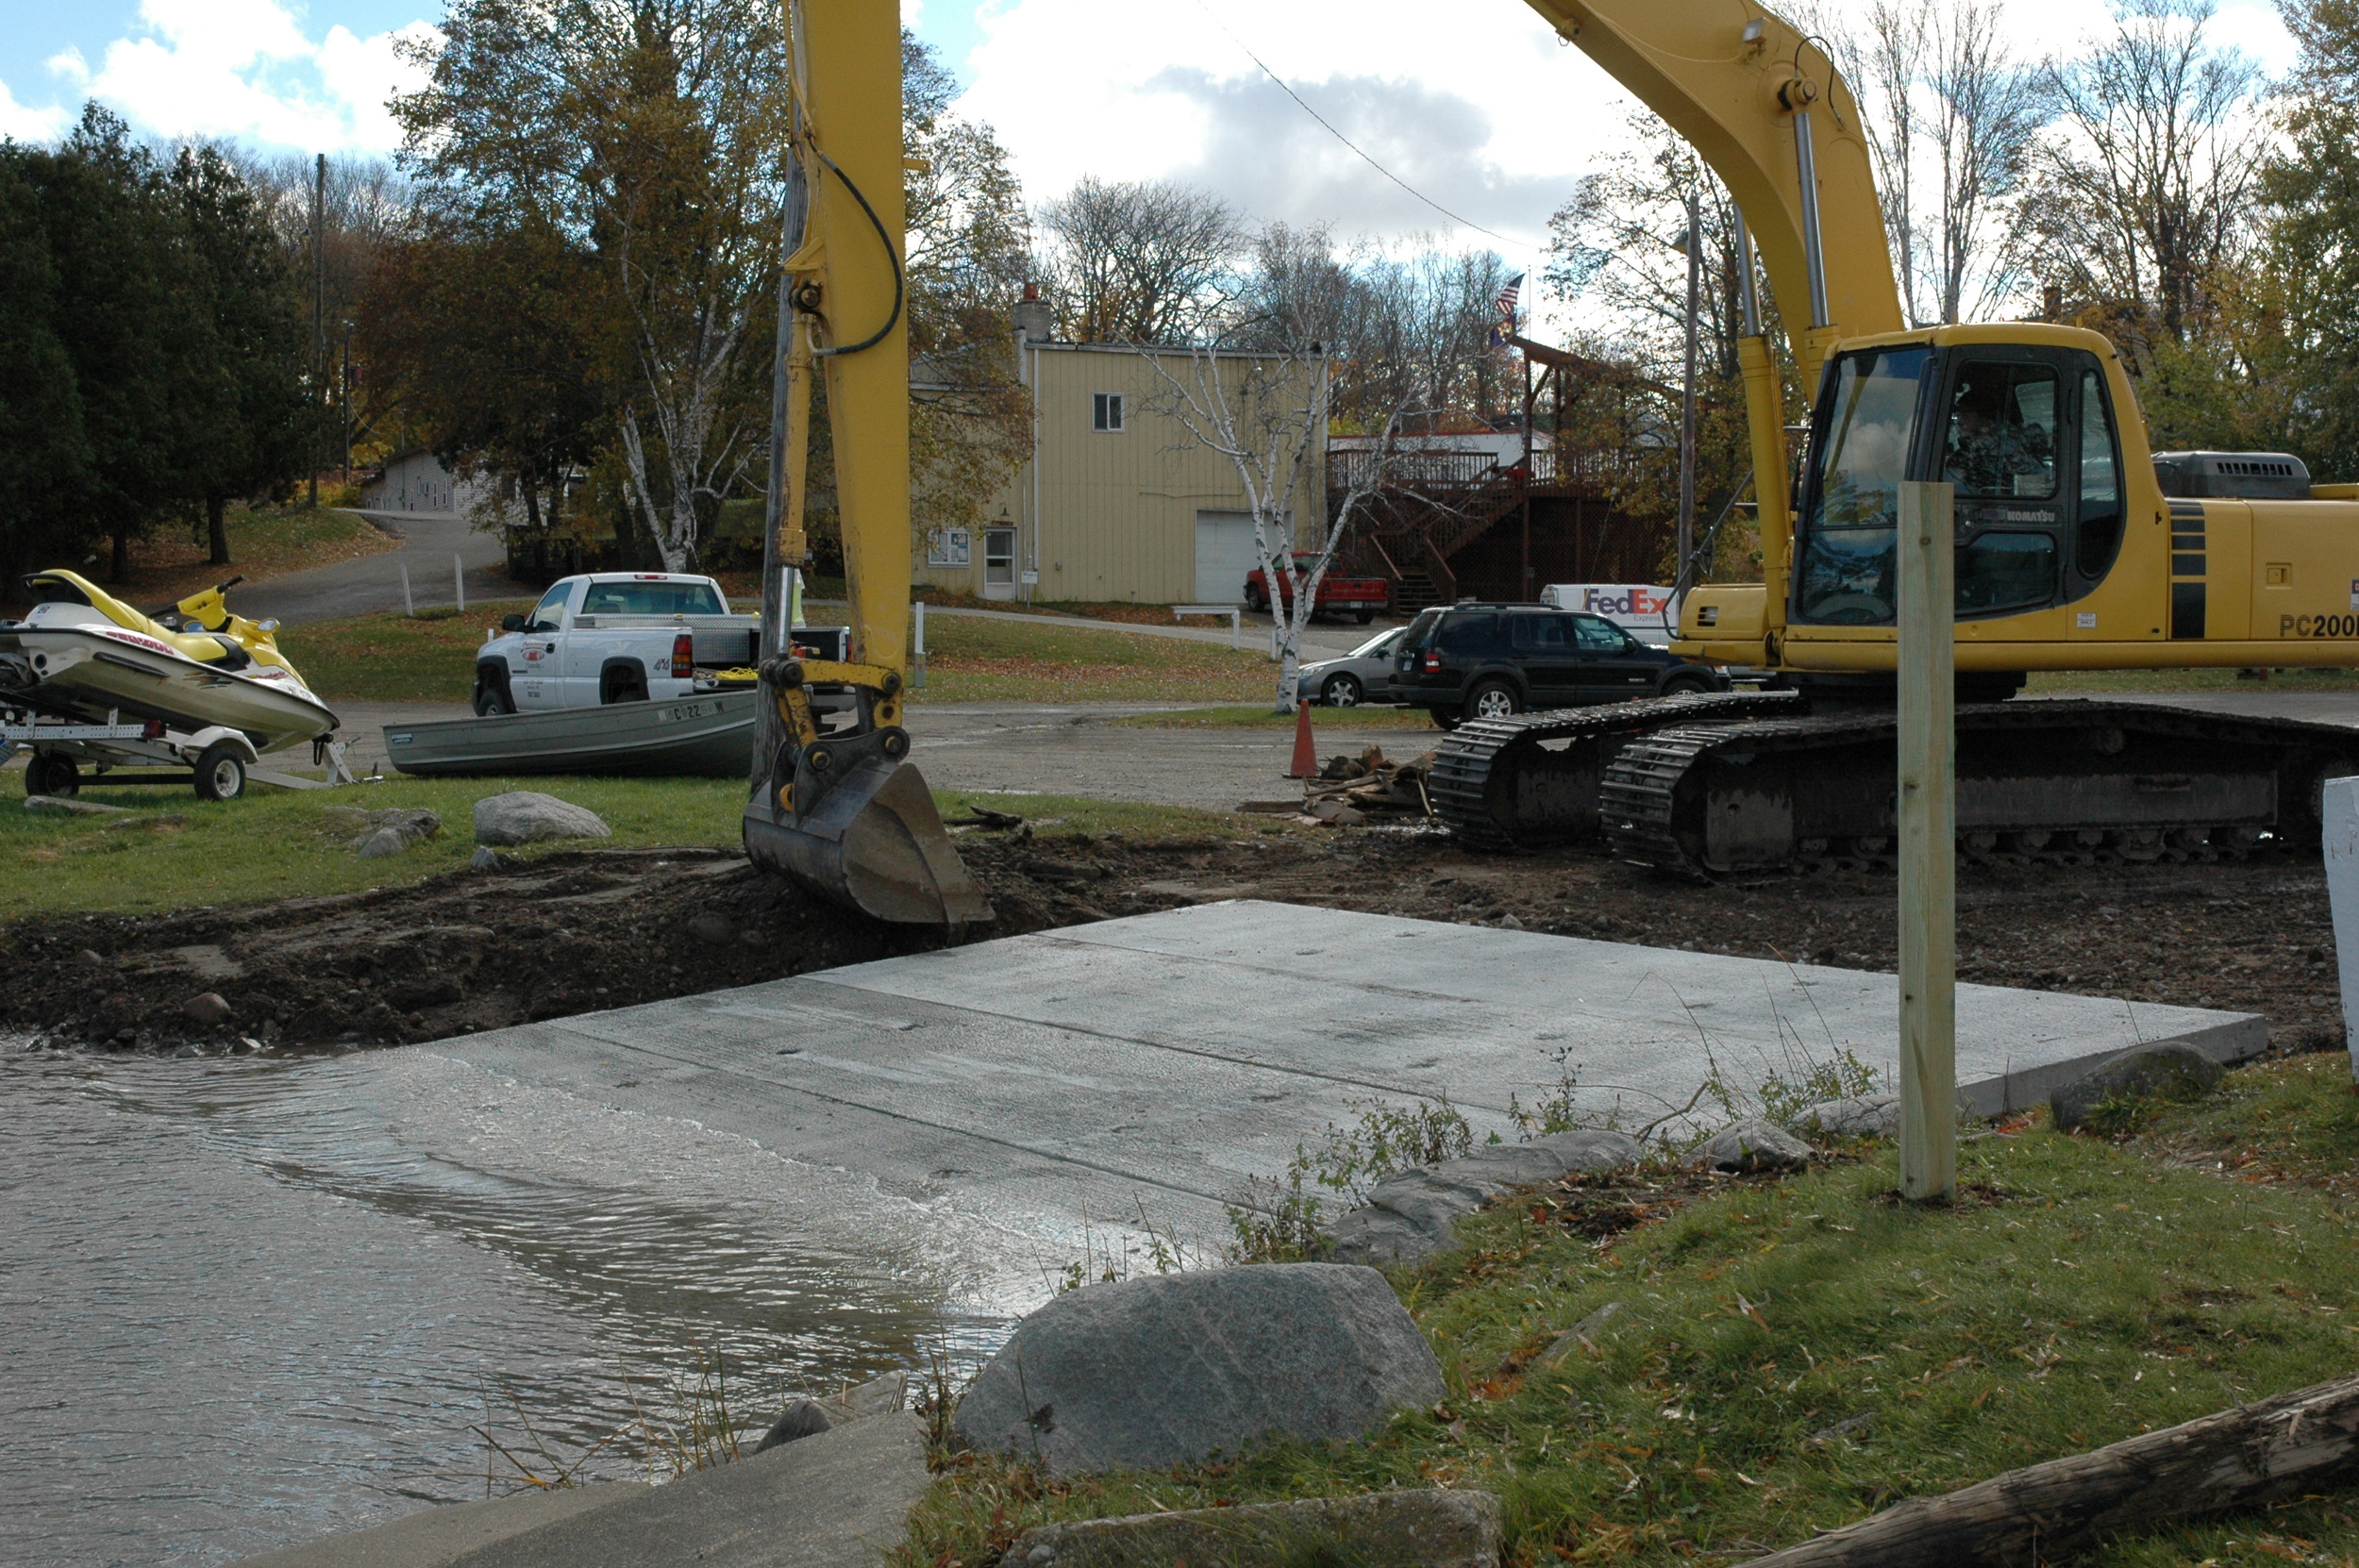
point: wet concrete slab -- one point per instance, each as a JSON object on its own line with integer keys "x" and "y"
{"x": 1147, "y": 1069}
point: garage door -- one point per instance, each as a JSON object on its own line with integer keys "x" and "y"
{"x": 1224, "y": 553}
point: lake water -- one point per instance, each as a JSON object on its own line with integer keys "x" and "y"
{"x": 244, "y": 1303}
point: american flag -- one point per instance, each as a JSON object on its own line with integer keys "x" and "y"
{"x": 1506, "y": 310}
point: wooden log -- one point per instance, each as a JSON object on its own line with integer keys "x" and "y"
{"x": 2253, "y": 1454}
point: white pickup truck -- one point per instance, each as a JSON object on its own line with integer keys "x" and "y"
{"x": 612, "y": 637}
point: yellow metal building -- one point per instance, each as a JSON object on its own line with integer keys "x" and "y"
{"x": 1119, "y": 502}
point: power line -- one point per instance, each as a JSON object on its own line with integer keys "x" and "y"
{"x": 1465, "y": 222}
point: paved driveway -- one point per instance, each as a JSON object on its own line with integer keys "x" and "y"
{"x": 374, "y": 582}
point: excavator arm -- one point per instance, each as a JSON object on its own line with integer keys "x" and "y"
{"x": 1764, "y": 107}
{"x": 844, "y": 811}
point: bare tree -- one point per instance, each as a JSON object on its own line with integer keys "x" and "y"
{"x": 2144, "y": 188}
{"x": 1140, "y": 262}
{"x": 1950, "y": 116}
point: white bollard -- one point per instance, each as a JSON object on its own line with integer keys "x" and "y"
{"x": 917, "y": 650}
{"x": 458, "y": 575}
{"x": 408, "y": 606}
{"x": 2338, "y": 812}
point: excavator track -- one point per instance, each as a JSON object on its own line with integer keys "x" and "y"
{"x": 1713, "y": 784}
{"x": 1498, "y": 784}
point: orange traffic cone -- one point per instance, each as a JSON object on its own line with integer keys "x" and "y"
{"x": 1306, "y": 751}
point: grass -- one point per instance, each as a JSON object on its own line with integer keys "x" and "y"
{"x": 274, "y": 843}
{"x": 1792, "y": 1356}
{"x": 2048, "y": 682}
{"x": 391, "y": 658}
{"x": 182, "y": 851}
{"x": 1242, "y": 716}
{"x": 971, "y": 660}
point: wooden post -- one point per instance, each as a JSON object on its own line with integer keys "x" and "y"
{"x": 1926, "y": 545}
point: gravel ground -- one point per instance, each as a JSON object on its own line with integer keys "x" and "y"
{"x": 572, "y": 932}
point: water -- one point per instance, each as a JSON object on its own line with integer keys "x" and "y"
{"x": 247, "y": 1303}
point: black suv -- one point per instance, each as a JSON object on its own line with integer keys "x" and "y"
{"x": 1485, "y": 661}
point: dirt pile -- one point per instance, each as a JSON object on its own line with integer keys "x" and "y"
{"x": 580, "y": 931}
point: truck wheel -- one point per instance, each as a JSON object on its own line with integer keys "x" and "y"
{"x": 1255, "y": 600}
{"x": 220, "y": 771}
{"x": 1685, "y": 686}
{"x": 52, "y": 776}
{"x": 1364, "y": 616}
{"x": 1447, "y": 718}
{"x": 1494, "y": 699}
{"x": 492, "y": 696}
{"x": 1343, "y": 691}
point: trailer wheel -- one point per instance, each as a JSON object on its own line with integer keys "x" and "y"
{"x": 220, "y": 771}
{"x": 52, "y": 776}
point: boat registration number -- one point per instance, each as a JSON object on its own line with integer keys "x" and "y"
{"x": 680, "y": 712}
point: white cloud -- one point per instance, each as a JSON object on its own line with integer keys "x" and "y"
{"x": 25, "y": 123}
{"x": 245, "y": 69}
{"x": 1486, "y": 113}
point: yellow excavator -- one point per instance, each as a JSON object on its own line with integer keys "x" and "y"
{"x": 2078, "y": 549}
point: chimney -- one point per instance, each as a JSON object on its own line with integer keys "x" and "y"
{"x": 2051, "y": 303}
{"x": 1032, "y": 317}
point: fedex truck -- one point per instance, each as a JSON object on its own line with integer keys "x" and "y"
{"x": 1646, "y": 610}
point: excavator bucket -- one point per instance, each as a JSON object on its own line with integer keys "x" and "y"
{"x": 871, "y": 841}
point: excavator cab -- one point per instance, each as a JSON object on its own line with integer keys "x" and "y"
{"x": 2026, "y": 433}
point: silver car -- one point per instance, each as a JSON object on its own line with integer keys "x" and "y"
{"x": 1364, "y": 674}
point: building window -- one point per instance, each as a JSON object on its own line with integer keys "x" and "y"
{"x": 1106, "y": 411}
{"x": 949, "y": 547}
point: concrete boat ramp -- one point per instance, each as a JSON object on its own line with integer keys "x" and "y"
{"x": 1146, "y": 1068}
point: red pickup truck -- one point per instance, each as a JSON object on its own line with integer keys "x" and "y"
{"x": 1339, "y": 594}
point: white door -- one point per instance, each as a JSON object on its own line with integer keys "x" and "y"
{"x": 1224, "y": 555}
{"x": 998, "y": 563}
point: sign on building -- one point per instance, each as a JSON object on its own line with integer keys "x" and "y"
{"x": 949, "y": 547}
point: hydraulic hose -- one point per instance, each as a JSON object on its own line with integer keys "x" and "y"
{"x": 893, "y": 258}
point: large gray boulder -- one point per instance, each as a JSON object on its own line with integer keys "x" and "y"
{"x": 1413, "y": 1214}
{"x": 2162, "y": 1072}
{"x": 526, "y": 816}
{"x": 1166, "y": 1370}
{"x": 1856, "y": 1116}
{"x": 1376, "y": 1530}
{"x": 1752, "y": 1145}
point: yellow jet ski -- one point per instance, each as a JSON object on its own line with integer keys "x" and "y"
{"x": 194, "y": 669}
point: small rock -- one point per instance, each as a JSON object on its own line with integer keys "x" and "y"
{"x": 1509, "y": 923}
{"x": 89, "y": 959}
{"x": 877, "y": 1396}
{"x": 206, "y": 1007}
{"x": 1410, "y": 1214}
{"x": 1455, "y": 1529}
{"x": 711, "y": 930}
{"x": 1753, "y": 1145}
{"x": 384, "y": 841}
{"x": 2164, "y": 1072}
{"x": 1849, "y": 1426}
{"x": 482, "y": 860}
{"x": 1860, "y": 1116}
{"x": 803, "y": 1418}
{"x": 1149, "y": 1373}
{"x": 526, "y": 816}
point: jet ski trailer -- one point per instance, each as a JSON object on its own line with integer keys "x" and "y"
{"x": 87, "y": 680}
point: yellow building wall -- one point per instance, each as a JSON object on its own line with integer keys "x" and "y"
{"x": 1117, "y": 508}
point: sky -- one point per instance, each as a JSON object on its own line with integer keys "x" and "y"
{"x": 1478, "y": 110}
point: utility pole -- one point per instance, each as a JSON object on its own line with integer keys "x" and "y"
{"x": 319, "y": 307}
{"x": 343, "y": 398}
{"x": 1694, "y": 246}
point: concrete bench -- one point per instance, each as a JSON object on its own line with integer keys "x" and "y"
{"x": 1236, "y": 617}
